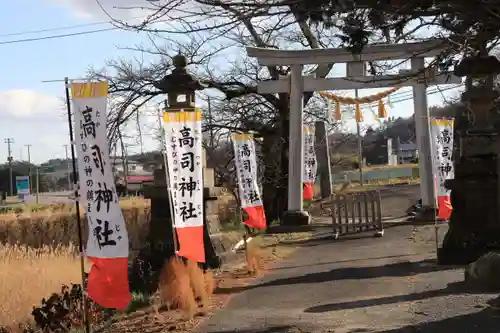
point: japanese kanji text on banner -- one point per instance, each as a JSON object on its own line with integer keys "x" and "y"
{"x": 107, "y": 245}
{"x": 245, "y": 160}
{"x": 183, "y": 146}
{"x": 442, "y": 143}
{"x": 310, "y": 164}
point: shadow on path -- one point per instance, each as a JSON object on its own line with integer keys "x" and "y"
{"x": 344, "y": 261}
{"x": 485, "y": 321}
{"x": 349, "y": 273}
{"x": 454, "y": 288}
{"x": 274, "y": 329}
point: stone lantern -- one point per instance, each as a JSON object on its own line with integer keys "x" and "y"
{"x": 474, "y": 226}
{"x": 479, "y": 96}
{"x": 180, "y": 86}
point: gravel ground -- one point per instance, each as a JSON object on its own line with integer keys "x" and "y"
{"x": 359, "y": 284}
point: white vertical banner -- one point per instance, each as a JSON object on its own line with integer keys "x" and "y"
{"x": 245, "y": 160}
{"x": 442, "y": 161}
{"x": 107, "y": 244}
{"x": 183, "y": 139}
{"x": 108, "y": 236}
{"x": 310, "y": 163}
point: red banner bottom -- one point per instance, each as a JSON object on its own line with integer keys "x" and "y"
{"x": 108, "y": 283}
{"x": 255, "y": 217}
{"x": 444, "y": 207}
{"x": 308, "y": 191}
{"x": 191, "y": 244}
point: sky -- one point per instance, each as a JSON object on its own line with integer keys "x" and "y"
{"x": 32, "y": 112}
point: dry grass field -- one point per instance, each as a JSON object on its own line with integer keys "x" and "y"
{"x": 55, "y": 226}
{"x": 38, "y": 252}
{"x": 28, "y": 275}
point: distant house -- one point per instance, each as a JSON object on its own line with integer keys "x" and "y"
{"x": 137, "y": 175}
{"x": 136, "y": 183}
{"x": 134, "y": 167}
{"x": 406, "y": 152}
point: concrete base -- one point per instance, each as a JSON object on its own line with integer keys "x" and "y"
{"x": 425, "y": 214}
{"x": 295, "y": 218}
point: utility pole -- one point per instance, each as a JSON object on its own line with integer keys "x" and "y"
{"x": 29, "y": 166}
{"x": 37, "y": 184}
{"x": 10, "y": 141}
{"x": 210, "y": 122}
{"x": 67, "y": 165}
{"x": 164, "y": 144}
{"x": 360, "y": 145}
{"x": 124, "y": 160}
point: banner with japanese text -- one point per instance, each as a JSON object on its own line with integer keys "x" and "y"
{"x": 310, "y": 164}
{"x": 442, "y": 156}
{"x": 107, "y": 244}
{"x": 183, "y": 140}
{"x": 245, "y": 160}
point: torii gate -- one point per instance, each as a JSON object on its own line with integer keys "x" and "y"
{"x": 296, "y": 84}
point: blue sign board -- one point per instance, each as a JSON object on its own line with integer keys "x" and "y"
{"x": 22, "y": 186}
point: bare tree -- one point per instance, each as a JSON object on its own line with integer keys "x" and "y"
{"x": 213, "y": 35}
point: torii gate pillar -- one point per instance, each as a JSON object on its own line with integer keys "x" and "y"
{"x": 423, "y": 138}
{"x": 295, "y": 215}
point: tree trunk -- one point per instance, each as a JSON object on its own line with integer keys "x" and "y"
{"x": 275, "y": 157}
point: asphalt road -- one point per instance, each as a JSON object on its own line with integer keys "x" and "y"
{"x": 395, "y": 198}
{"x": 359, "y": 285}
{"x": 49, "y": 198}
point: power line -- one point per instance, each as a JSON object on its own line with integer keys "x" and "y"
{"x": 39, "y": 31}
{"x": 67, "y": 27}
{"x": 405, "y": 94}
{"x": 33, "y": 39}
{"x": 16, "y": 41}
{"x": 408, "y": 95}
{"x": 80, "y": 33}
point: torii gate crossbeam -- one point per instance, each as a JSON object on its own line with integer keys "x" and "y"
{"x": 296, "y": 84}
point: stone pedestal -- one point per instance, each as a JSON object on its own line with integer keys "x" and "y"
{"x": 295, "y": 218}
{"x": 473, "y": 227}
{"x": 159, "y": 246}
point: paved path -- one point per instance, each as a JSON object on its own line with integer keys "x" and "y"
{"x": 388, "y": 284}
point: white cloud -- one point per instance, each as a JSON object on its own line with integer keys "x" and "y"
{"x": 117, "y": 9}
{"x": 28, "y": 103}
{"x": 134, "y": 12}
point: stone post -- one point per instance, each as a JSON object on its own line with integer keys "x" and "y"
{"x": 389, "y": 151}
{"x": 323, "y": 156}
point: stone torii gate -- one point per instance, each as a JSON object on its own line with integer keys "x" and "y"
{"x": 296, "y": 84}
